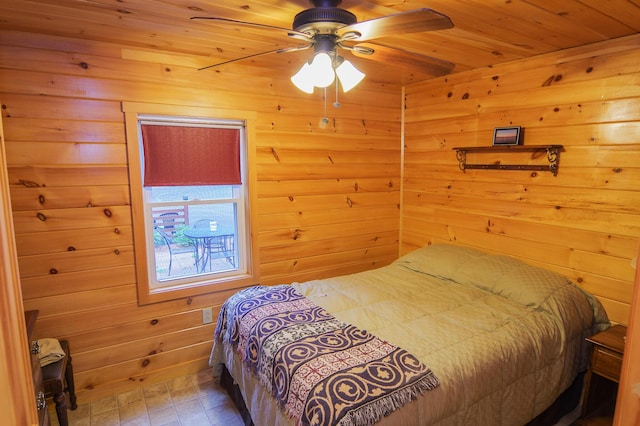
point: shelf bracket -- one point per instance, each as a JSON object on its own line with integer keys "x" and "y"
{"x": 553, "y": 156}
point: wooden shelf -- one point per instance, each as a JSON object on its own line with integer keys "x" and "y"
{"x": 552, "y": 151}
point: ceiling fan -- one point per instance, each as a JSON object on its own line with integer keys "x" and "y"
{"x": 326, "y": 27}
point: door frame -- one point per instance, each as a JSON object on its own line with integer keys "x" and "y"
{"x": 16, "y": 377}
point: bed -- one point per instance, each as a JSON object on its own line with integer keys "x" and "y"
{"x": 495, "y": 341}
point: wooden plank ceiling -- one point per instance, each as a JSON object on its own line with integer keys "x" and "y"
{"x": 485, "y": 32}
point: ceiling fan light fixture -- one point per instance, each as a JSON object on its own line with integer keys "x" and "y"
{"x": 348, "y": 75}
{"x": 322, "y": 71}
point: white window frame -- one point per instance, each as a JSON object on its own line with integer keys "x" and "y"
{"x": 246, "y": 273}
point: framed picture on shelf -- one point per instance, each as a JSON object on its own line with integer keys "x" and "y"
{"x": 507, "y": 136}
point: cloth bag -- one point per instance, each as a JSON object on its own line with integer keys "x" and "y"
{"x": 50, "y": 351}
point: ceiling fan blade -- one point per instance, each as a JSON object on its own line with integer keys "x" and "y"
{"x": 393, "y": 56}
{"x": 282, "y": 50}
{"x": 290, "y": 32}
{"x": 397, "y": 24}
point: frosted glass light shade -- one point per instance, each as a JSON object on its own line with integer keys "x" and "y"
{"x": 303, "y": 79}
{"x": 348, "y": 75}
{"x": 322, "y": 72}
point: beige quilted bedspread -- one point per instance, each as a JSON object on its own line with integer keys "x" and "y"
{"x": 504, "y": 338}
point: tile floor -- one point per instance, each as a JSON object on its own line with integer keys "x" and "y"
{"x": 192, "y": 400}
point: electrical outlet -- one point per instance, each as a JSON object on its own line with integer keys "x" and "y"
{"x": 207, "y": 315}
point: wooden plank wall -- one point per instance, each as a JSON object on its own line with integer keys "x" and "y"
{"x": 328, "y": 197}
{"x": 584, "y": 222}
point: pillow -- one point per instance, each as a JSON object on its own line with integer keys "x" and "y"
{"x": 498, "y": 274}
{"x": 440, "y": 260}
{"x": 512, "y": 279}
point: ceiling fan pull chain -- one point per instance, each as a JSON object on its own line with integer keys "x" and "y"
{"x": 325, "y": 103}
{"x": 324, "y": 120}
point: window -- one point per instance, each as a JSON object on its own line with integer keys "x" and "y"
{"x": 190, "y": 186}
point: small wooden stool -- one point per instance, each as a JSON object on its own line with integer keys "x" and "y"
{"x": 54, "y": 377}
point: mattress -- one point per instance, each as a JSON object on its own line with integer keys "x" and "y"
{"x": 504, "y": 338}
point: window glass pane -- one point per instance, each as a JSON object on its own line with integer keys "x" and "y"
{"x": 160, "y": 194}
{"x": 194, "y": 239}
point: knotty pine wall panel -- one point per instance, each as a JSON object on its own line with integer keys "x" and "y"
{"x": 328, "y": 196}
{"x": 584, "y": 222}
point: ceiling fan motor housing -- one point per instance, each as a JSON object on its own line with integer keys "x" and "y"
{"x": 323, "y": 20}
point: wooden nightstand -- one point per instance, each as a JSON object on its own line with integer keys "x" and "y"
{"x": 601, "y": 380}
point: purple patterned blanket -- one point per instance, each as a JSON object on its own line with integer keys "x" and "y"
{"x": 321, "y": 371}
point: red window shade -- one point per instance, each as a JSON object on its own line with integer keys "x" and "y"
{"x": 184, "y": 156}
